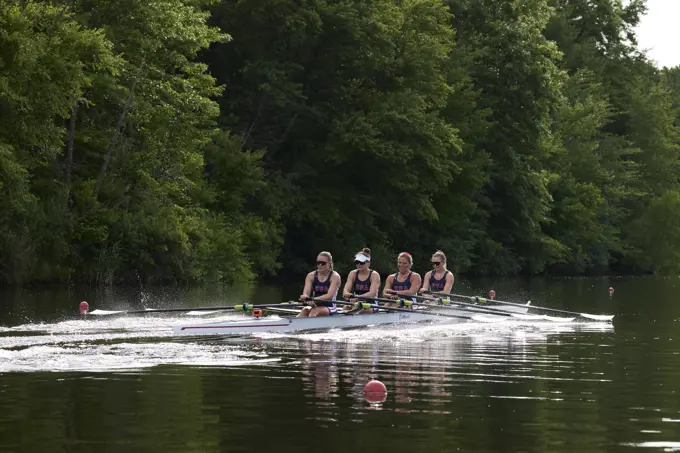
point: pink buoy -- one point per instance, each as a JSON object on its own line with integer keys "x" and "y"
{"x": 84, "y": 307}
{"x": 492, "y": 294}
{"x": 375, "y": 391}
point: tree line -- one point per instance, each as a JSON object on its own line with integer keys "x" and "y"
{"x": 202, "y": 140}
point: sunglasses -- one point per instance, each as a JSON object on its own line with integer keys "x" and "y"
{"x": 436, "y": 263}
{"x": 357, "y": 262}
{"x": 321, "y": 263}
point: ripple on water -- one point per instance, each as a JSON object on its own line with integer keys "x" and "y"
{"x": 123, "y": 343}
{"x": 666, "y": 446}
{"x": 98, "y": 345}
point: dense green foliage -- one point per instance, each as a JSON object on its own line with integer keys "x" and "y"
{"x": 200, "y": 140}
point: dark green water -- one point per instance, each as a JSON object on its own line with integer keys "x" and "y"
{"x": 125, "y": 384}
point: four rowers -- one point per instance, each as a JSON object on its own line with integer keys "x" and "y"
{"x": 321, "y": 286}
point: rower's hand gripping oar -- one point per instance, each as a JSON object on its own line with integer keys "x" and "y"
{"x": 240, "y": 307}
{"x": 535, "y": 307}
{"x": 366, "y": 305}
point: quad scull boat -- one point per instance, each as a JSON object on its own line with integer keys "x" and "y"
{"x": 292, "y": 324}
{"x": 343, "y": 320}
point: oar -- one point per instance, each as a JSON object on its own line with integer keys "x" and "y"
{"x": 445, "y": 303}
{"x": 240, "y": 307}
{"x": 366, "y": 305}
{"x": 536, "y": 307}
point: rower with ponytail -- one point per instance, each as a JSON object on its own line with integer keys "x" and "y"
{"x": 362, "y": 281}
{"x": 321, "y": 285}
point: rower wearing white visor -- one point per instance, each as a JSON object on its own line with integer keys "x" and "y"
{"x": 363, "y": 281}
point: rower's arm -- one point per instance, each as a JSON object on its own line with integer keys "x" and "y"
{"x": 375, "y": 285}
{"x": 348, "y": 285}
{"x": 415, "y": 286}
{"x": 388, "y": 285}
{"x": 426, "y": 283}
{"x": 449, "y": 283}
{"x": 307, "y": 291}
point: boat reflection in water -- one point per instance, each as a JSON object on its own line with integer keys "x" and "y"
{"x": 425, "y": 368}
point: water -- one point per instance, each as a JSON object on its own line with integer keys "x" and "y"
{"x": 126, "y": 384}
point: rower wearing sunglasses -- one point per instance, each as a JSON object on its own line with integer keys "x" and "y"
{"x": 362, "y": 281}
{"x": 322, "y": 286}
{"x": 439, "y": 279}
{"x": 405, "y": 282}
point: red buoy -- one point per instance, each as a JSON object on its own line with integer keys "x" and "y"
{"x": 84, "y": 307}
{"x": 492, "y": 294}
{"x": 611, "y": 291}
{"x": 375, "y": 391}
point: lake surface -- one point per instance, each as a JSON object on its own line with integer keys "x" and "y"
{"x": 126, "y": 384}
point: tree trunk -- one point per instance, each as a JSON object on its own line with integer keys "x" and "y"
{"x": 251, "y": 128}
{"x": 116, "y": 135}
{"x": 69, "y": 145}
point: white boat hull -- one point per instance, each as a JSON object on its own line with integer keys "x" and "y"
{"x": 292, "y": 324}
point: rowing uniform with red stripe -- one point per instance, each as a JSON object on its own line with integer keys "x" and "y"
{"x": 320, "y": 288}
{"x": 437, "y": 285}
{"x": 401, "y": 286}
{"x": 364, "y": 286}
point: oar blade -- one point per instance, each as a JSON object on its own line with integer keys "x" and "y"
{"x": 99, "y": 312}
{"x": 487, "y": 319}
{"x": 527, "y": 317}
{"x": 541, "y": 318}
{"x": 597, "y": 317}
{"x": 203, "y": 313}
{"x": 557, "y": 318}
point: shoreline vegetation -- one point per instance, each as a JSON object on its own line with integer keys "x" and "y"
{"x": 222, "y": 140}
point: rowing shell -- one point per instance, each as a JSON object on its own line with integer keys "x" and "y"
{"x": 341, "y": 320}
{"x": 291, "y": 324}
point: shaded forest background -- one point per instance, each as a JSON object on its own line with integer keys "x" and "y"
{"x": 203, "y": 140}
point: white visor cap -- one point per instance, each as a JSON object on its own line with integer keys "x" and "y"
{"x": 361, "y": 257}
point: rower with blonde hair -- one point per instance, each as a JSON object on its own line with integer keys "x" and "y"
{"x": 439, "y": 279}
{"x": 363, "y": 281}
{"x": 322, "y": 286}
{"x": 405, "y": 282}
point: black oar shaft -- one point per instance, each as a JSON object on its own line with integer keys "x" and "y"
{"x": 465, "y": 304}
{"x": 240, "y": 307}
{"x": 514, "y": 304}
{"x": 476, "y": 307}
{"x": 406, "y": 310}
